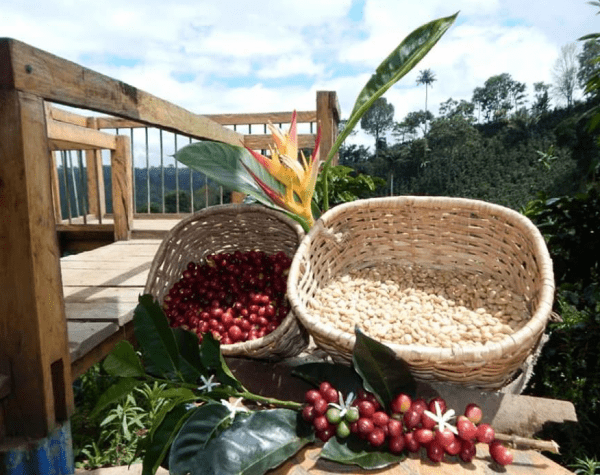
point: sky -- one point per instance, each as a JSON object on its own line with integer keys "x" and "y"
{"x": 233, "y": 56}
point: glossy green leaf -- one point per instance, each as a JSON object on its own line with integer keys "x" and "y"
{"x": 116, "y": 392}
{"x": 159, "y": 440}
{"x": 400, "y": 62}
{"x": 224, "y": 164}
{"x": 342, "y": 377}
{"x": 190, "y": 362}
{"x": 156, "y": 339}
{"x": 252, "y": 445}
{"x": 200, "y": 428}
{"x": 383, "y": 373}
{"x": 212, "y": 359}
{"x": 353, "y": 451}
{"x": 124, "y": 362}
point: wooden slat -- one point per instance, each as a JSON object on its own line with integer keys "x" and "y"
{"x": 62, "y": 115}
{"x": 29, "y": 69}
{"x": 263, "y": 141}
{"x": 328, "y": 114}
{"x": 84, "y": 336}
{"x": 33, "y": 333}
{"x": 95, "y": 177}
{"x": 63, "y": 136}
{"x": 96, "y": 354}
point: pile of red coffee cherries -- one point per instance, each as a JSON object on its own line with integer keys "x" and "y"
{"x": 237, "y": 296}
{"x": 411, "y": 425}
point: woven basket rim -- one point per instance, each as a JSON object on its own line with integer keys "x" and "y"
{"x": 230, "y": 209}
{"x": 488, "y": 352}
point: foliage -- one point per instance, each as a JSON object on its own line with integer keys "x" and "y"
{"x": 426, "y": 77}
{"x": 110, "y": 437}
{"x": 196, "y": 428}
{"x": 346, "y": 185}
{"x": 564, "y": 73}
{"x": 569, "y": 366}
{"x": 499, "y": 95}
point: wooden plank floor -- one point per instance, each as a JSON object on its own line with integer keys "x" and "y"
{"x": 101, "y": 289}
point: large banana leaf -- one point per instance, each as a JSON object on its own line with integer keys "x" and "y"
{"x": 229, "y": 166}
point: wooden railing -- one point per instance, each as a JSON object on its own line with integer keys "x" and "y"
{"x": 35, "y": 373}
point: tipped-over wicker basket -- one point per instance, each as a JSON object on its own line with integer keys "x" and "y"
{"x": 439, "y": 234}
{"x": 228, "y": 228}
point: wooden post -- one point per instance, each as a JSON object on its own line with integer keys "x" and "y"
{"x": 55, "y": 188}
{"x": 122, "y": 189}
{"x": 95, "y": 177}
{"x": 328, "y": 115}
{"x": 33, "y": 328}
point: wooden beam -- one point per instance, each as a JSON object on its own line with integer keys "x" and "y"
{"x": 33, "y": 331}
{"x": 263, "y": 118}
{"x": 62, "y": 115}
{"x": 262, "y": 142}
{"x": 328, "y": 114}
{"x": 64, "y": 136}
{"x": 55, "y": 79}
{"x": 122, "y": 188}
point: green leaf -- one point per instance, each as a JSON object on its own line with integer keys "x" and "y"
{"x": 353, "y": 451}
{"x": 190, "y": 362}
{"x": 224, "y": 163}
{"x": 401, "y": 61}
{"x": 156, "y": 339}
{"x": 383, "y": 373}
{"x": 212, "y": 359}
{"x": 250, "y": 446}
{"x": 159, "y": 440}
{"x": 113, "y": 394}
{"x": 342, "y": 377}
{"x": 124, "y": 362}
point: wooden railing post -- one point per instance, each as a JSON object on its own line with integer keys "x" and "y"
{"x": 95, "y": 177}
{"x": 328, "y": 115}
{"x": 33, "y": 328}
{"x": 122, "y": 189}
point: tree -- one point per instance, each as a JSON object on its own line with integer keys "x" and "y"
{"x": 588, "y": 62}
{"x": 452, "y": 108}
{"x": 542, "y": 98}
{"x": 378, "y": 119}
{"x": 564, "y": 73}
{"x": 426, "y": 77}
{"x": 498, "y": 96}
{"x": 418, "y": 119}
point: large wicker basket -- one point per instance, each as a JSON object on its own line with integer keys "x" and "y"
{"x": 227, "y": 228}
{"x": 439, "y": 234}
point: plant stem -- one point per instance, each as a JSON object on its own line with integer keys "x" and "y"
{"x": 267, "y": 400}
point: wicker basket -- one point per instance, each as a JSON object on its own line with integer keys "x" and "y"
{"x": 436, "y": 233}
{"x": 227, "y": 228}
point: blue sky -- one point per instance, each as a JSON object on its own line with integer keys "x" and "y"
{"x": 239, "y": 56}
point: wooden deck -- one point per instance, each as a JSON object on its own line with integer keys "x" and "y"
{"x": 101, "y": 289}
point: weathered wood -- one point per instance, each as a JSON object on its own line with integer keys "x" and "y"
{"x": 263, "y": 141}
{"x": 55, "y": 188}
{"x": 4, "y": 386}
{"x": 64, "y": 136}
{"x": 263, "y": 118}
{"x": 84, "y": 336}
{"x": 328, "y": 115}
{"x": 96, "y": 354}
{"x": 33, "y": 333}
{"x": 526, "y": 462}
{"x": 61, "y": 81}
{"x": 62, "y": 115}
{"x": 95, "y": 178}
{"x": 122, "y": 188}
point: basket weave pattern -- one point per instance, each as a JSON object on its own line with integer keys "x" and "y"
{"x": 228, "y": 228}
{"x": 452, "y": 234}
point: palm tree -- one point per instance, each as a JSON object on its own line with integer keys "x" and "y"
{"x": 426, "y": 77}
